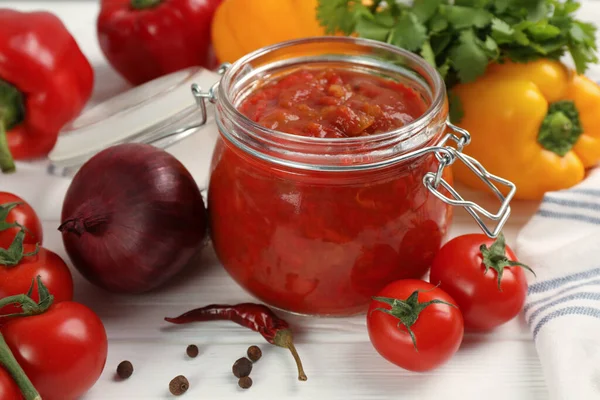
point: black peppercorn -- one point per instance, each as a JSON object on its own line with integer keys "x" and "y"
{"x": 124, "y": 369}
{"x": 179, "y": 385}
{"x": 242, "y": 367}
{"x": 245, "y": 382}
{"x": 254, "y": 353}
{"x": 192, "y": 351}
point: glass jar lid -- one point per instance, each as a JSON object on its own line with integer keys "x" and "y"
{"x": 160, "y": 112}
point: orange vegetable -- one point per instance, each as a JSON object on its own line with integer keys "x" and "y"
{"x": 242, "y": 26}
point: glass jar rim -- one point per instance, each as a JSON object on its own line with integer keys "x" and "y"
{"x": 417, "y": 125}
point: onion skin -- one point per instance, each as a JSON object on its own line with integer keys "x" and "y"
{"x": 132, "y": 218}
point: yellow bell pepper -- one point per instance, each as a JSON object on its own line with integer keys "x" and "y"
{"x": 535, "y": 124}
{"x": 242, "y": 26}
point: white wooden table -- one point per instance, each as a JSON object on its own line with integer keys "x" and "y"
{"x": 338, "y": 357}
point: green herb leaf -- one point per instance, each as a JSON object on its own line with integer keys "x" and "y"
{"x": 469, "y": 59}
{"x": 427, "y": 53}
{"x": 338, "y": 15}
{"x": 438, "y": 23}
{"x": 501, "y": 5}
{"x": 536, "y": 9}
{"x": 439, "y": 43}
{"x": 543, "y": 31}
{"x": 425, "y": 9}
{"x": 409, "y": 33}
{"x": 501, "y": 31}
{"x": 371, "y": 29}
{"x": 491, "y": 46}
{"x": 462, "y": 37}
{"x": 466, "y": 17}
{"x": 444, "y": 68}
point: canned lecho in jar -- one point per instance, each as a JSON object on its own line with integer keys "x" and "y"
{"x": 317, "y": 197}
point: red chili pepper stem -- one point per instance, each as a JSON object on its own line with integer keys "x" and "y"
{"x": 143, "y": 4}
{"x": 284, "y": 338}
{"x": 10, "y": 364}
{"x": 11, "y": 113}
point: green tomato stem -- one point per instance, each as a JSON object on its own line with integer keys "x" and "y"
{"x": 9, "y": 362}
{"x": 20, "y": 299}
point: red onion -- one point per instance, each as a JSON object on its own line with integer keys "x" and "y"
{"x": 132, "y": 218}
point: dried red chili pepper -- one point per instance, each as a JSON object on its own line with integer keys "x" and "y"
{"x": 257, "y": 317}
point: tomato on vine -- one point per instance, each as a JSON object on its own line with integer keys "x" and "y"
{"x": 21, "y": 263}
{"x": 14, "y": 214}
{"x": 56, "y": 351}
{"x": 415, "y": 325}
{"x": 488, "y": 283}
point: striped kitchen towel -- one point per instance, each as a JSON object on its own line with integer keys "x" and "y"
{"x": 562, "y": 244}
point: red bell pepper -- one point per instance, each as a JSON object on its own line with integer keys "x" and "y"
{"x": 145, "y": 39}
{"x": 45, "y": 81}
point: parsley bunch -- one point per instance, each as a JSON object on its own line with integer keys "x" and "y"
{"x": 461, "y": 37}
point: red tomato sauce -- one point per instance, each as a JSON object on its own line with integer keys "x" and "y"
{"x": 333, "y": 104}
{"x": 324, "y": 242}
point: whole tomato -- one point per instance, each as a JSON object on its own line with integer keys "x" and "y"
{"x": 8, "y": 388}
{"x": 428, "y": 312}
{"x": 63, "y": 350}
{"x": 488, "y": 284}
{"x": 15, "y": 209}
{"x": 49, "y": 266}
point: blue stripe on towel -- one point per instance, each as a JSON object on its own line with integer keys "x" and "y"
{"x": 544, "y": 286}
{"x": 591, "y": 192}
{"x": 568, "y": 289}
{"x": 587, "y": 311}
{"x": 571, "y": 216}
{"x": 572, "y": 203}
{"x": 582, "y": 295}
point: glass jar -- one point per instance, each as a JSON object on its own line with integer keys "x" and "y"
{"x": 318, "y": 226}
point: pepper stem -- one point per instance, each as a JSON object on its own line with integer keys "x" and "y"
{"x": 284, "y": 338}
{"x": 7, "y": 164}
{"x": 143, "y": 4}
{"x": 9, "y": 362}
{"x": 11, "y": 113}
{"x": 561, "y": 128}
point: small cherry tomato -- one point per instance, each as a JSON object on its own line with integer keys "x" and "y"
{"x": 15, "y": 209}
{"x": 62, "y": 351}
{"x": 8, "y": 388}
{"x": 49, "y": 266}
{"x": 415, "y": 325}
{"x": 488, "y": 283}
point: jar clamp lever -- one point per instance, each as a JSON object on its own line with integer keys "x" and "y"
{"x": 446, "y": 156}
